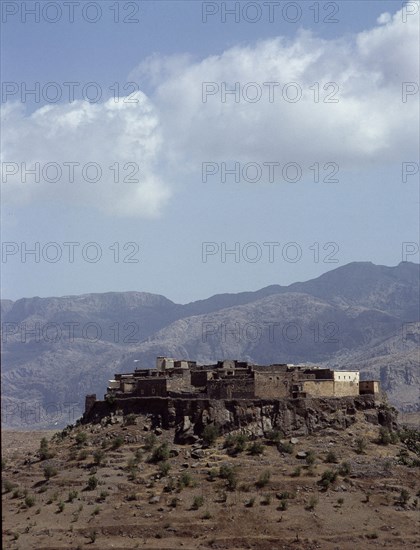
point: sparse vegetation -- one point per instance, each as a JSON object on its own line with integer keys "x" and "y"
{"x": 49, "y": 471}
{"x": 81, "y": 438}
{"x": 164, "y": 468}
{"x": 30, "y": 501}
{"x": 72, "y": 495}
{"x": 197, "y": 502}
{"x": 150, "y": 441}
{"x": 160, "y": 454}
{"x": 235, "y": 444}
{"x": 256, "y": 448}
{"x": 312, "y": 502}
{"x": 327, "y": 478}
{"x": 263, "y": 480}
{"x": 130, "y": 419}
{"x": 117, "y": 442}
{"x": 210, "y": 434}
{"x": 44, "y": 450}
{"x": 331, "y": 458}
{"x": 92, "y": 483}
{"x": 361, "y": 445}
{"x": 98, "y": 457}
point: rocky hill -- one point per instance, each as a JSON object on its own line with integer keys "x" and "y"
{"x": 55, "y": 350}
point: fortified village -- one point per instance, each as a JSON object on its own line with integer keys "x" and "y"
{"x": 236, "y": 394}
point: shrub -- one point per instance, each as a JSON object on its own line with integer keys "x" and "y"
{"x": 273, "y": 436}
{"x": 256, "y": 448}
{"x": 44, "y": 450}
{"x": 327, "y": 478}
{"x": 197, "y": 502}
{"x": 98, "y": 457}
{"x": 210, "y": 434}
{"x": 185, "y": 480}
{"x": 81, "y": 438}
{"x": 49, "y": 471}
{"x": 235, "y": 444}
{"x": 117, "y": 442}
{"x": 263, "y": 479}
{"x": 340, "y": 501}
{"x": 164, "y": 468}
{"x": 331, "y": 457}
{"x": 404, "y": 497}
{"x": 8, "y": 485}
{"x": 29, "y": 501}
{"x": 361, "y": 445}
{"x": 160, "y": 453}
{"x": 149, "y": 441}
{"x": 282, "y": 506}
{"x": 206, "y": 515}
{"x": 285, "y": 447}
{"x": 212, "y": 475}
{"x": 130, "y": 419}
{"x": 312, "y": 502}
{"x": 344, "y": 469}
{"x": 296, "y": 472}
{"x": 228, "y": 473}
{"x": 92, "y": 483}
{"x": 384, "y": 437}
{"x": 310, "y": 458}
{"x": 72, "y": 495}
{"x": 60, "y": 506}
{"x": 83, "y": 454}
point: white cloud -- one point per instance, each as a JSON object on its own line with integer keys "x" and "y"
{"x": 174, "y": 127}
{"x": 112, "y": 132}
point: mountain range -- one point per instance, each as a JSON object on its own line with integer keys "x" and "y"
{"x": 361, "y": 316}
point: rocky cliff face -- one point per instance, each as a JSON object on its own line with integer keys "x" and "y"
{"x": 256, "y": 417}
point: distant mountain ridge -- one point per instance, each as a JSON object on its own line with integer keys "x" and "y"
{"x": 360, "y": 315}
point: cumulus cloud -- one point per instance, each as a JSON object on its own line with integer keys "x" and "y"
{"x": 359, "y": 118}
{"x": 116, "y": 146}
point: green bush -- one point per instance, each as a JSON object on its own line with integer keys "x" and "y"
{"x": 160, "y": 454}
{"x": 312, "y": 502}
{"x": 117, "y": 442}
{"x": 72, "y": 495}
{"x": 81, "y": 438}
{"x": 60, "y": 506}
{"x": 327, "y": 478}
{"x": 282, "y": 506}
{"x": 197, "y": 502}
{"x": 263, "y": 480}
{"x": 210, "y": 434}
{"x": 49, "y": 471}
{"x": 361, "y": 445}
{"x": 130, "y": 419}
{"x": 228, "y": 473}
{"x": 44, "y": 450}
{"x": 98, "y": 457}
{"x": 256, "y": 448}
{"x": 164, "y": 468}
{"x": 235, "y": 444}
{"x": 92, "y": 483}
{"x": 185, "y": 480}
{"x": 29, "y": 501}
{"x": 273, "y": 436}
{"x": 8, "y": 485}
{"x": 285, "y": 447}
{"x": 296, "y": 472}
{"x": 149, "y": 441}
{"x": 331, "y": 457}
{"x": 310, "y": 458}
{"x": 344, "y": 469}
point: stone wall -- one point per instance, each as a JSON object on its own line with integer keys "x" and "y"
{"x": 272, "y": 385}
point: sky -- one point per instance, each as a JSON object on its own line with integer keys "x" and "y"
{"x": 194, "y": 148}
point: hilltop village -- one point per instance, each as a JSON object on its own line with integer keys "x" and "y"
{"x": 233, "y": 380}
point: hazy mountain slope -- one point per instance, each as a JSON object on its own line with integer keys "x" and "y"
{"x": 351, "y": 316}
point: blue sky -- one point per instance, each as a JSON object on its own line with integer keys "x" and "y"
{"x": 172, "y": 228}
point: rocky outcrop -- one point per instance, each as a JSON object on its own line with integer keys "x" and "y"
{"x": 255, "y": 417}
